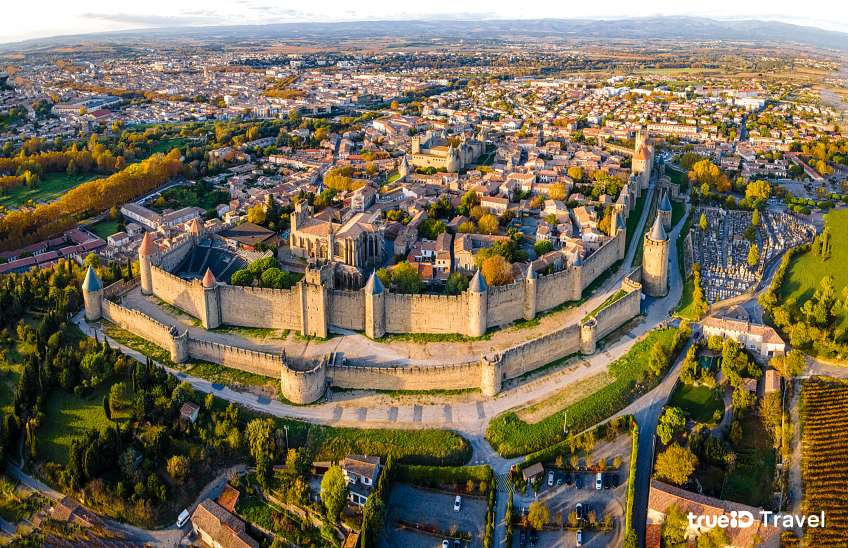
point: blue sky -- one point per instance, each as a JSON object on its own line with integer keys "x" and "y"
{"x": 42, "y": 18}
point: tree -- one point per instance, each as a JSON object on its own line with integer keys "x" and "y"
{"x": 755, "y": 218}
{"x": 488, "y": 224}
{"x": 791, "y": 365}
{"x": 753, "y": 255}
{"x": 259, "y": 437}
{"x": 178, "y": 467}
{"x": 672, "y": 422}
{"x": 675, "y": 465}
{"x": 575, "y": 172}
{"x": 256, "y": 214}
{"x": 538, "y": 515}
{"x": 558, "y": 191}
{"x": 456, "y": 283}
{"x": 334, "y": 492}
{"x": 702, "y": 222}
{"x": 757, "y": 192}
{"x": 497, "y": 271}
{"x": 275, "y": 278}
{"x": 543, "y": 246}
{"x": 431, "y": 228}
{"x": 674, "y": 527}
{"x": 405, "y": 278}
{"x": 242, "y": 277}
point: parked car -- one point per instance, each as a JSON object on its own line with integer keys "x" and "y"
{"x": 599, "y": 481}
{"x": 446, "y": 543}
{"x": 607, "y": 481}
{"x": 578, "y": 480}
{"x": 183, "y": 518}
{"x": 457, "y": 503}
{"x": 551, "y": 478}
{"x": 579, "y": 510}
{"x": 457, "y": 543}
{"x": 580, "y": 537}
{"x": 559, "y": 478}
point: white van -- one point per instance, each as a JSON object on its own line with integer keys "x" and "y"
{"x": 599, "y": 481}
{"x": 182, "y": 518}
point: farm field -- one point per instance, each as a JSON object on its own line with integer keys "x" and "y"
{"x": 807, "y": 270}
{"x": 824, "y": 453}
{"x": 49, "y": 188}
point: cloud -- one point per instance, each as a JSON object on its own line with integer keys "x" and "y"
{"x": 206, "y": 18}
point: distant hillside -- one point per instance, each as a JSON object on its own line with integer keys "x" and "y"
{"x": 678, "y": 28}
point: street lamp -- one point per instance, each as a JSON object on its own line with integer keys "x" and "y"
{"x": 286, "y": 428}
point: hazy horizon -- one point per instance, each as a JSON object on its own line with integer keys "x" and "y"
{"x": 32, "y": 21}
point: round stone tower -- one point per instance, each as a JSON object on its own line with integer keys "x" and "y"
{"x": 478, "y": 306}
{"x": 92, "y": 295}
{"x": 655, "y": 261}
{"x": 375, "y": 308}
{"x": 146, "y": 256}
{"x": 530, "y": 293}
{"x": 491, "y": 375}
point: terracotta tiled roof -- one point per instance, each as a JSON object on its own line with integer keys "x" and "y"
{"x": 226, "y": 530}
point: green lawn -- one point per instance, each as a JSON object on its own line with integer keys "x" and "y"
{"x": 167, "y": 145}
{"x": 67, "y": 416}
{"x": 698, "y": 402}
{"x": 807, "y": 270}
{"x": 105, "y": 228}
{"x": 750, "y": 482}
{"x": 51, "y": 187}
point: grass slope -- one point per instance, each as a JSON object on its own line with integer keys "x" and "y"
{"x": 67, "y": 416}
{"x": 511, "y": 436}
{"x": 807, "y": 270}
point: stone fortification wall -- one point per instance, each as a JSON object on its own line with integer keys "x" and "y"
{"x": 506, "y": 304}
{"x": 347, "y": 309}
{"x": 258, "y": 307}
{"x": 185, "y": 295}
{"x": 530, "y": 355}
{"x": 618, "y": 313}
{"x": 598, "y": 262}
{"x": 260, "y": 363}
{"x": 139, "y": 324}
{"x": 426, "y": 313}
{"x": 557, "y": 288}
{"x": 174, "y": 256}
{"x": 436, "y": 377}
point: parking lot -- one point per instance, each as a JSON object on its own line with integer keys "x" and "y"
{"x": 431, "y": 508}
{"x": 569, "y": 489}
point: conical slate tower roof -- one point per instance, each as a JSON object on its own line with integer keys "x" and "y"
{"x": 91, "y": 281}
{"x": 478, "y": 284}
{"x": 665, "y": 204}
{"x": 531, "y": 272}
{"x": 209, "y": 279}
{"x": 147, "y": 247}
{"x": 658, "y": 232}
{"x": 374, "y": 285}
